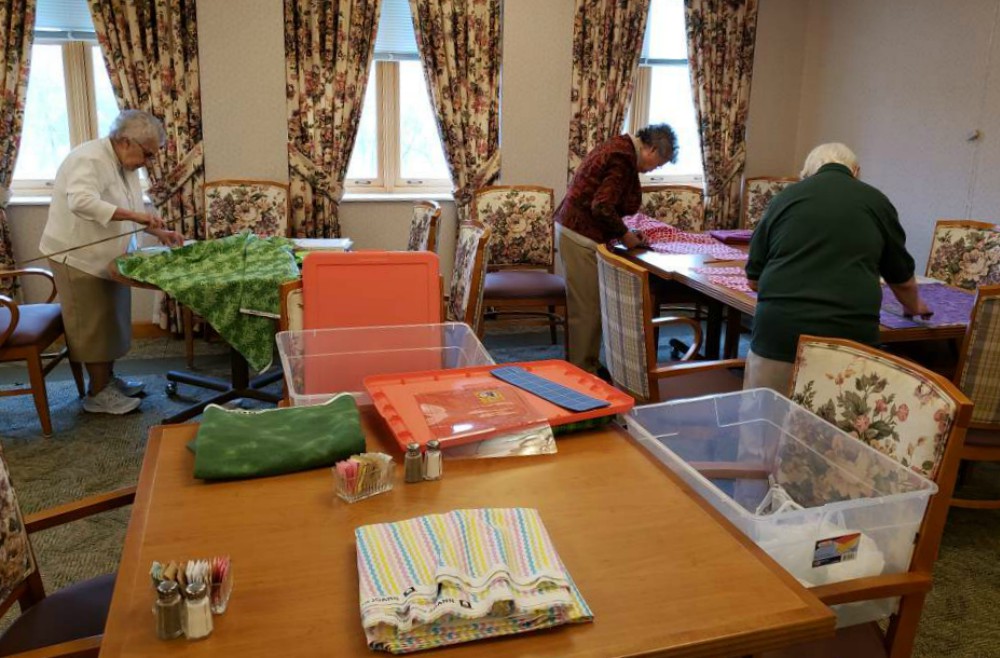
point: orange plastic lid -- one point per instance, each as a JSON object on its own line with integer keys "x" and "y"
{"x": 370, "y": 289}
{"x": 469, "y": 404}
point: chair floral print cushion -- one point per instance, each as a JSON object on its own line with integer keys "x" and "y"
{"x": 965, "y": 254}
{"x": 681, "y": 206}
{"x": 424, "y": 226}
{"x": 875, "y": 398}
{"x": 757, "y": 194}
{"x": 15, "y": 553}
{"x": 465, "y": 297}
{"x": 235, "y": 206}
{"x": 520, "y": 218}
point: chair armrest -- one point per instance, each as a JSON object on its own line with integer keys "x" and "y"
{"x": 874, "y": 587}
{"x": 32, "y": 271}
{"x": 15, "y": 316}
{"x": 695, "y": 328}
{"x": 86, "y": 647}
{"x": 689, "y": 367}
{"x": 78, "y": 509}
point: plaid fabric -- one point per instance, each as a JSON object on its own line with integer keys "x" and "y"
{"x": 624, "y": 330}
{"x": 420, "y": 229}
{"x": 16, "y": 562}
{"x": 980, "y": 377}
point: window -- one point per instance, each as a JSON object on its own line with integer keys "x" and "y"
{"x": 398, "y": 148}
{"x": 663, "y": 92}
{"x": 69, "y": 100}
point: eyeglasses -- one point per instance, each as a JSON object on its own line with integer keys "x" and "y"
{"x": 148, "y": 155}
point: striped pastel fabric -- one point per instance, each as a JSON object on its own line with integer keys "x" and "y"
{"x": 980, "y": 376}
{"x": 465, "y": 575}
{"x": 624, "y": 330}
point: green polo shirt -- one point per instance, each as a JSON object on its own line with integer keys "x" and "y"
{"x": 817, "y": 255}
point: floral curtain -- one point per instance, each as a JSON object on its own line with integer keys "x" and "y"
{"x": 607, "y": 41}
{"x": 721, "y": 35}
{"x": 17, "y": 25}
{"x": 151, "y": 51}
{"x": 460, "y": 45}
{"x": 328, "y": 53}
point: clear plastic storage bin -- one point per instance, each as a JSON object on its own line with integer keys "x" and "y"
{"x": 822, "y": 503}
{"x": 320, "y": 363}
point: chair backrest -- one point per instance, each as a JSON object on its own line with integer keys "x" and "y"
{"x": 232, "y": 206}
{"x": 16, "y": 560}
{"x": 292, "y": 306}
{"x": 520, "y": 219}
{"x": 465, "y": 297}
{"x": 978, "y": 373}
{"x": 424, "y": 226}
{"x": 757, "y": 194}
{"x": 965, "y": 253}
{"x": 681, "y": 206}
{"x": 626, "y": 319}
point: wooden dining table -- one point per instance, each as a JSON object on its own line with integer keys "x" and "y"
{"x": 663, "y": 572}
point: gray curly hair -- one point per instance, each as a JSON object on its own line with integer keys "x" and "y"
{"x": 138, "y": 126}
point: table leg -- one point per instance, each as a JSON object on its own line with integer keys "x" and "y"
{"x": 713, "y": 332}
{"x": 734, "y": 327}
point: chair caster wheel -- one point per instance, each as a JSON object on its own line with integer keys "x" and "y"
{"x": 171, "y": 388}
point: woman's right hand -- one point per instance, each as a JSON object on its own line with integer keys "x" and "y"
{"x": 151, "y": 221}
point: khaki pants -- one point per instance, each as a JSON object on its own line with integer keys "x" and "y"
{"x": 762, "y": 372}
{"x": 97, "y": 314}
{"x": 583, "y": 295}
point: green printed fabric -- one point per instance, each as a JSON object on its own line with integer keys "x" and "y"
{"x": 225, "y": 281}
{"x": 234, "y": 443}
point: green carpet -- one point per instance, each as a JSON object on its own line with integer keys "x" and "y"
{"x": 95, "y": 453}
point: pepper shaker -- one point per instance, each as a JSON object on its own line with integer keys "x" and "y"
{"x": 413, "y": 464}
{"x": 168, "y": 609}
{"x": 199, "y": 614}
{"x": 432, "y": 461}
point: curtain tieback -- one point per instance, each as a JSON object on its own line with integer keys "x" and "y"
{"x": 165, "y": 188}
{"x": 4, "y": 196}
{"x": 321, "y": 183}
{"x": 487, "y": 172}
{"x": 725, "y": 173}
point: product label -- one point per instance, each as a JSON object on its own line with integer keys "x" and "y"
{"x": 836, "y": 549}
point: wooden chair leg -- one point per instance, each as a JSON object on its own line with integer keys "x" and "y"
{"x": 77, "y": 370}
{"x": 37, "y": 379}
{"x": 552, "y": 324}
{"x": 565, "y": 310}
{"x": 903, "y": 626}
{"x": 187, "y": 320}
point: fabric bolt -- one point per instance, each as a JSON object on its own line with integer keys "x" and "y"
{"x": 951, "y": 307}
{"x": 464, "y": 575}
{"x": 663, "y": 238}
{"x": 218, "y": 279}
{"x": 17, "y": 33}
{"x": 583, "y": 296}
{"x": 732, "y": 236}
{"x": 624, "y": 329}
{"x": 235, "y": 443}
{"x": 980, "y": 375}
{"x": 97, "y": 314}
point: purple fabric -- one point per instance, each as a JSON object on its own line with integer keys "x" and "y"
{"x": 732, "y": 236}
{"x": 951, "y": 307}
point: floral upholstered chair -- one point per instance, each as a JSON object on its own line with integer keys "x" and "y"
{"x": 757, "y": 194}
{"x": 977, "y": 377}
{"x": 70, "y": 621}
{"x": 465, "y": 297}
{"x": 232, "y": 206}
{"x": 681, "y": 206}
{"x": 965, "y": 253}
{"x": 521, "y": 281}
{"x": 906, "y": 412}
{"x": 629, "y": 335}
{"x": 424, "y": 227}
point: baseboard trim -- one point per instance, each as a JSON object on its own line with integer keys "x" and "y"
{"x": 148, "y": 330}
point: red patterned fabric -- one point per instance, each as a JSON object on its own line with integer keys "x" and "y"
{"x": 666, "y": 239}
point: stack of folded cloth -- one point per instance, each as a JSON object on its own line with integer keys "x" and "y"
{"x": 465, "y": 575}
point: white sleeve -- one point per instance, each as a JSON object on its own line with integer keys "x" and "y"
{"x": 83, "y": 193}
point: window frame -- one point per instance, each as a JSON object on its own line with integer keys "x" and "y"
{"x": 81, "y": 99}
{"x": 385, "y": 75}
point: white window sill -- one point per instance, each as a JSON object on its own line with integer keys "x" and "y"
{"x": 29, "y": 200}
{"x": 401, "y": 197}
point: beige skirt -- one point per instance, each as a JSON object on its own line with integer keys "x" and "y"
{"x": 97, "y": 315}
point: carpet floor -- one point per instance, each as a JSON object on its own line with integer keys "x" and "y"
{"x": 90, "y": 454}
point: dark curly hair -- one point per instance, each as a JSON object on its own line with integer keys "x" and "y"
{"x": 663, "y": 138}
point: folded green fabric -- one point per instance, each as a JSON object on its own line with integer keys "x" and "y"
{"x": 233, "y": 443}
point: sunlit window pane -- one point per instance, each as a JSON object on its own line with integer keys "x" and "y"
{"x": 670, "y": 101}
{"x": 45, "y": 137}
{"x": 364, "y": 159}
{"x": 421, "y": 156}
{"x": 107, "y": 106}
{"x": 665, "y": 35}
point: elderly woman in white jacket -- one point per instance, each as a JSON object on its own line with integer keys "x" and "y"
{"x": 97, "y": 195}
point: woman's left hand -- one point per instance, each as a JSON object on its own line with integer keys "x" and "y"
{"x": 169, "y": 238}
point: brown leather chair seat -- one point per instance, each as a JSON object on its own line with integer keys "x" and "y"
{"x": 36, "y": 323}
{"x": 72, "y": 613}
{"x": 696, "y": 384}
{"x": 519, "y": 284}
{"x": 982, "y": 438}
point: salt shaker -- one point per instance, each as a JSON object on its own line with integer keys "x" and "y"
{"x": 413, "y": 464}
{"x": 168, "y": 609}
{"x": 433, "y": 461}
{"x": 199, "y": 614}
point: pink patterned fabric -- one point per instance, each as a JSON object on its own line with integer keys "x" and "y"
{"x": 733, "y": 278}
{"x": 666, "y": 239}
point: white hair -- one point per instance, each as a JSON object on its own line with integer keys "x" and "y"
{"x": 824, "y": 154}
{"x": 138, "y": 126}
